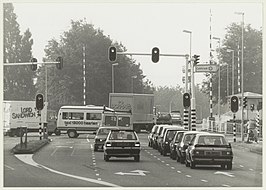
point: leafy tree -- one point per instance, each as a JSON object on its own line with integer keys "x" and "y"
{"x": 18, "y": 80}
{"x": 65, "y": 87}
{"x": 252, "y": 62}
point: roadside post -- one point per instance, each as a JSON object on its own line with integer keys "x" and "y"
{"x": 39, "y": 107}
{"x": 234, "y": 109}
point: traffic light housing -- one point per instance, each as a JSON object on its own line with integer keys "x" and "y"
{"x": 39, "y": 102}
{"x": 112, "y": 53}
{"x": 33, "y": 66}
{"x": 60, "y": 64}
{"x": 234, "y": 104}
{"x": 245, "y": 102}
{"x": 196, "y": 59}
{"x": 186, "y": 100}
{"x": 252, "y": 107}
{"x": 155, "y": 54}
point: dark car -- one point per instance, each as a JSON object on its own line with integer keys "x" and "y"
{"x": 150, "y": 136}
{"x": 183, "y": 144}
{"x": 177, "y": 138}
{"x": 122, "y": 143}
{"x": 155, "y": 136}
{"x": 209, "y": 149}
{"x": 100, "y": 137}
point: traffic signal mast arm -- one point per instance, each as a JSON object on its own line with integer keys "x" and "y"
{"x": 30, "y": 63}
{"x": 149, "y": 54}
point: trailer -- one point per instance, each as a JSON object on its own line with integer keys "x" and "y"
{"x": 140, "y": 105}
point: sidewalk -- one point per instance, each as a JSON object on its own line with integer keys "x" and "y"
{"x": 252, "y": 146}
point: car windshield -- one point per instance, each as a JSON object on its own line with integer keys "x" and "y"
{"x": 122, "y": 135}
{"x": 170, "y": 135}
{"x": 103, "y": 131}
{"x": 188, "y": 138}
{"x": 123, "y": 121}
{"x": 211, "y": 140}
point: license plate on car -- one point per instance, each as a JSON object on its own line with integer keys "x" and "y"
{"x": 213, "y": 153}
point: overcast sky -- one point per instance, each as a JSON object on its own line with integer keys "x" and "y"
{"x": 140, "y": 27}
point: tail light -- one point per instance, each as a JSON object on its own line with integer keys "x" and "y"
{"x": 137, "y": 144}
{"x": 108, "y": 144}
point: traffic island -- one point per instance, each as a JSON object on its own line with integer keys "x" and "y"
{"x": 29, "y": 148}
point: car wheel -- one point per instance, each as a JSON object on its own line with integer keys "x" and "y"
{"x": 177, "y": 158}
{"x": 57, "y": 132}
{"x": 182, "y": 160}
{"x": 171, "y": 155}
{"x": 136, "y": 158}
{"x": 187, "y": 163}
{"x": 223, "y": 166}
{"x": 163, "y": 152}
{"x": 72, "y": 134}
{"x": 174, "y": 155}
{"x": 106, "y": 158}
{"x": 192, "y": 165}
{"x": 95, "y": 148}
{"x": 229, "y": 166}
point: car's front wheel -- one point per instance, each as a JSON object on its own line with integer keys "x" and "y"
{"x": 229, "y": 166}
{"x": 72, "y": 134}
{"x": 137, "y": 158}
{"x": 192, "y": 165}
{"x": 106, "y": 157}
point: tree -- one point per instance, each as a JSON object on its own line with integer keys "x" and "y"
{"x": 65, "y": 87}
{"x": 252, "y": 62}
{"x": 18, "y": 80}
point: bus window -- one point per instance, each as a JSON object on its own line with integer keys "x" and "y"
{"x": 123, "y": 121}
{"x": 94, "y": 116}
{"x": 73, "y": 116}
{"x": 110, "y": 120}
{"x": 65, "y": 115}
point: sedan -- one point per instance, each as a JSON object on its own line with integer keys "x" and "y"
{"x": 122, "y": 143}
{"x": 209, "y": 149}
{"x": 100, "y": 137}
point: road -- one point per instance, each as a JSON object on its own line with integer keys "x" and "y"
{"x": 69, "y": 162}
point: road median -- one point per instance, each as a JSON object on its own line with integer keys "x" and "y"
{"x": 31, "y": 146}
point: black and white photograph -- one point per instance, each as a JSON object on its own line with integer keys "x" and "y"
{"x": 132, "y": 94}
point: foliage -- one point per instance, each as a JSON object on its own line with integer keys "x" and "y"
{"x": 18, "y": 80}
{"x": 65, "y": 87}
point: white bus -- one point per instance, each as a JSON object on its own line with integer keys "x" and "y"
{"x": 75, "y": 120}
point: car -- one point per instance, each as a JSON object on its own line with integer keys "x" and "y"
{"x": 168, "y": 137}
{"x": 122, "y": 143}
{"x": 100, "y": 137}
{"x": 155, "y": 136}
{"x": 150, "y": 136}
{"x": 160, "y": 136}
{"x": 209, "y": 149}
{"x": 177, "y": 138}
{"x": 183, "y": 144}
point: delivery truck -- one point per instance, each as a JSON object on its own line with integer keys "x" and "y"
{"x": 140, "y": 105}
{"x": 21, "y": 114}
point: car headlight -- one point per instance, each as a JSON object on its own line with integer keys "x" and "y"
{"x": 166, "y": 142}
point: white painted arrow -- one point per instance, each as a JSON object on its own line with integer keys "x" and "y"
{"x": 229, "y": 174}
{"x": 135, "y": 172}
{"x": 64, "y": 146}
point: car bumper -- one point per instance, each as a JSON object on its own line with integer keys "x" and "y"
{"x": 122, "y": 151}
{"x": 211, "y": 160}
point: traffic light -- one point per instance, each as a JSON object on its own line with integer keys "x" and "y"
{"x": 112, "y": 53}
{"x": 252, "y": 106}
{"x": 60, "y": 64}
{"x": 155, "y": 54}
{"x": 39, "y": 102}
{"x": 33, "y": 66}
{"x": 196, "y": 59}
{"x": 234, "y": 104}
{"x": 244, "y": 102}
{"x": 186, "y": 100}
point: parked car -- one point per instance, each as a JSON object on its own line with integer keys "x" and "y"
{"x": 150, "y": 136}
{"x": 183, "y": 144}
{"x": 167, "y": 138}
{"x": 100, "y": 137}
{"x": 160, "y": 137}
{"x": 122, "y": 143}
{"x": 155, "y": 136}
{"x": 209, "y": 149}
{"x": 177, "y": 138}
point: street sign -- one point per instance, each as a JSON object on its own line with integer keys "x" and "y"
{"x": 206, "y": 68}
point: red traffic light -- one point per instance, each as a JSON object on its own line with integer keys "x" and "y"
{"x": 186, "y": 100}
{"x": 112, "y": 53}
{"x": 155, "y": 54}
{"x": 234, "y": 104}
{"x": 39, "y": 102}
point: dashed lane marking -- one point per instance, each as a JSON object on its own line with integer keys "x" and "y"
{"x": 54, "y": 151}
{"x": 91, "y": 146}
{"x": 97, "y": 174}
{"x": 9, "y": 167}
{"x": 225, "y": 185}
{"x": 99, "y": 179}
{"x": 241, "y": 166}
{"x": 72, "y": 152}
{"x": 251, "y": 169}
{"x": 158, "y": 159}
{"x": 163, "y": 161}
{"x": 167, "y": 164}
{"x": 188, "y": 175}
{"x": 203, "y": 180}
{"x": 173, "y": 168}
{"x": 179, "y": 172}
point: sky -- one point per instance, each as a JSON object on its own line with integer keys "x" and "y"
{"x": 142, "y": 26}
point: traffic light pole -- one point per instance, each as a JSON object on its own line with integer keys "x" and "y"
{"x": 193, "y": 100}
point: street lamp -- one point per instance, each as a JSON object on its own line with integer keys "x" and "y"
{"x": 233, "y": 72}
{"x": 219, "y": 80}
{"x": 113, "y": 85}
{"x": 132, "y": 78}
{"x": 190, "y": 42}
{"x": 242, "y": 74}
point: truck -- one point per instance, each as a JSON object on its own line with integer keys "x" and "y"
{"x": 21, "y": 114}
{"x": 140, "y": 105}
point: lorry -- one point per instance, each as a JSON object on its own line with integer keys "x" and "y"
{"x": 23, "y": 114}
{"x": 140, "y": 105}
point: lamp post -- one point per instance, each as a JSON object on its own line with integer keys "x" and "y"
{"x": 132, "y": 79}
{"x": 219, "y": 80}
{"x": 233, "y": 67}
{"x": 242, "y": 74}
{"x": 113, "y": 83}
{"x": 190, "y": 42}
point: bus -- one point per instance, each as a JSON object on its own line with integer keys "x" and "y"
{"x": 75, "y": 120}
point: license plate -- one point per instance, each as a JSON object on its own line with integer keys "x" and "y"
{"x": 213, "y": 153}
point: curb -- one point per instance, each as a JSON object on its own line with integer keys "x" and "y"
{"x": 38, "y": 145}
{"x": 257, "y": 150}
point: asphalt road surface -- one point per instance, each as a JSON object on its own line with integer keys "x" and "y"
{"x": 66, "y": 162}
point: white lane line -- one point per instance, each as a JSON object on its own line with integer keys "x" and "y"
{"x": 173, "y": 168}
{"x": 99, "y": 179}
{"x": 203, "y": 180}
{"x": 88, "y": 138}
{"x": 241, "y": 166}
{"x": 163, "y": 161}
{"x": 72, "y": 152}
{"x": 225, "y": 185}
{"x": 167, "y": 164}
{"x": 151, "y": 154}
{"x": 188, "y": 175}
{"x": 251, "y": 169}
{"x": 179, "y": 172}
{"x": 27, "y": 158}
{"x": 148, "y": 152}
{"x": 54, "y": 151}
{"x": 91, "y": 146}
{"x": 97, "y": 174}
{"x": 9, "y": 167}
{"x": 94, "y": 163}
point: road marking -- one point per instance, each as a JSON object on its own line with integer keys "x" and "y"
{"x": 97, "y": 174}
{"x": 94, "y": 163}
{"x": 229, "y": 174}
{"x": 72, "y": 152}
{"x": 158, "y": 159}
{"x": 9, "y": 167}
{"x": 27, "y": 158}
{"x": 241, "y": 166}
{"x": 251, "y": 169}
{"x": 188, "y": 175}
{"x": 203, "y": 180}
{"x": 99, "y": 179}
{"x": 88, "y": 138}
{"x": 173, "y": 168}
{"x": 148, "y": 152}
{"x": 163, "y": 161}
{"x": 135, "y": 172}
{"x": 155, "y": 156}
{"x": 54, "y": 151}
{"x": 152, "y": 154}
{"x": 167, "y": 164}
{"x": 91, "y": 146}
{"x": 224, "y": 185}
{"x": 179, "y": 172}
